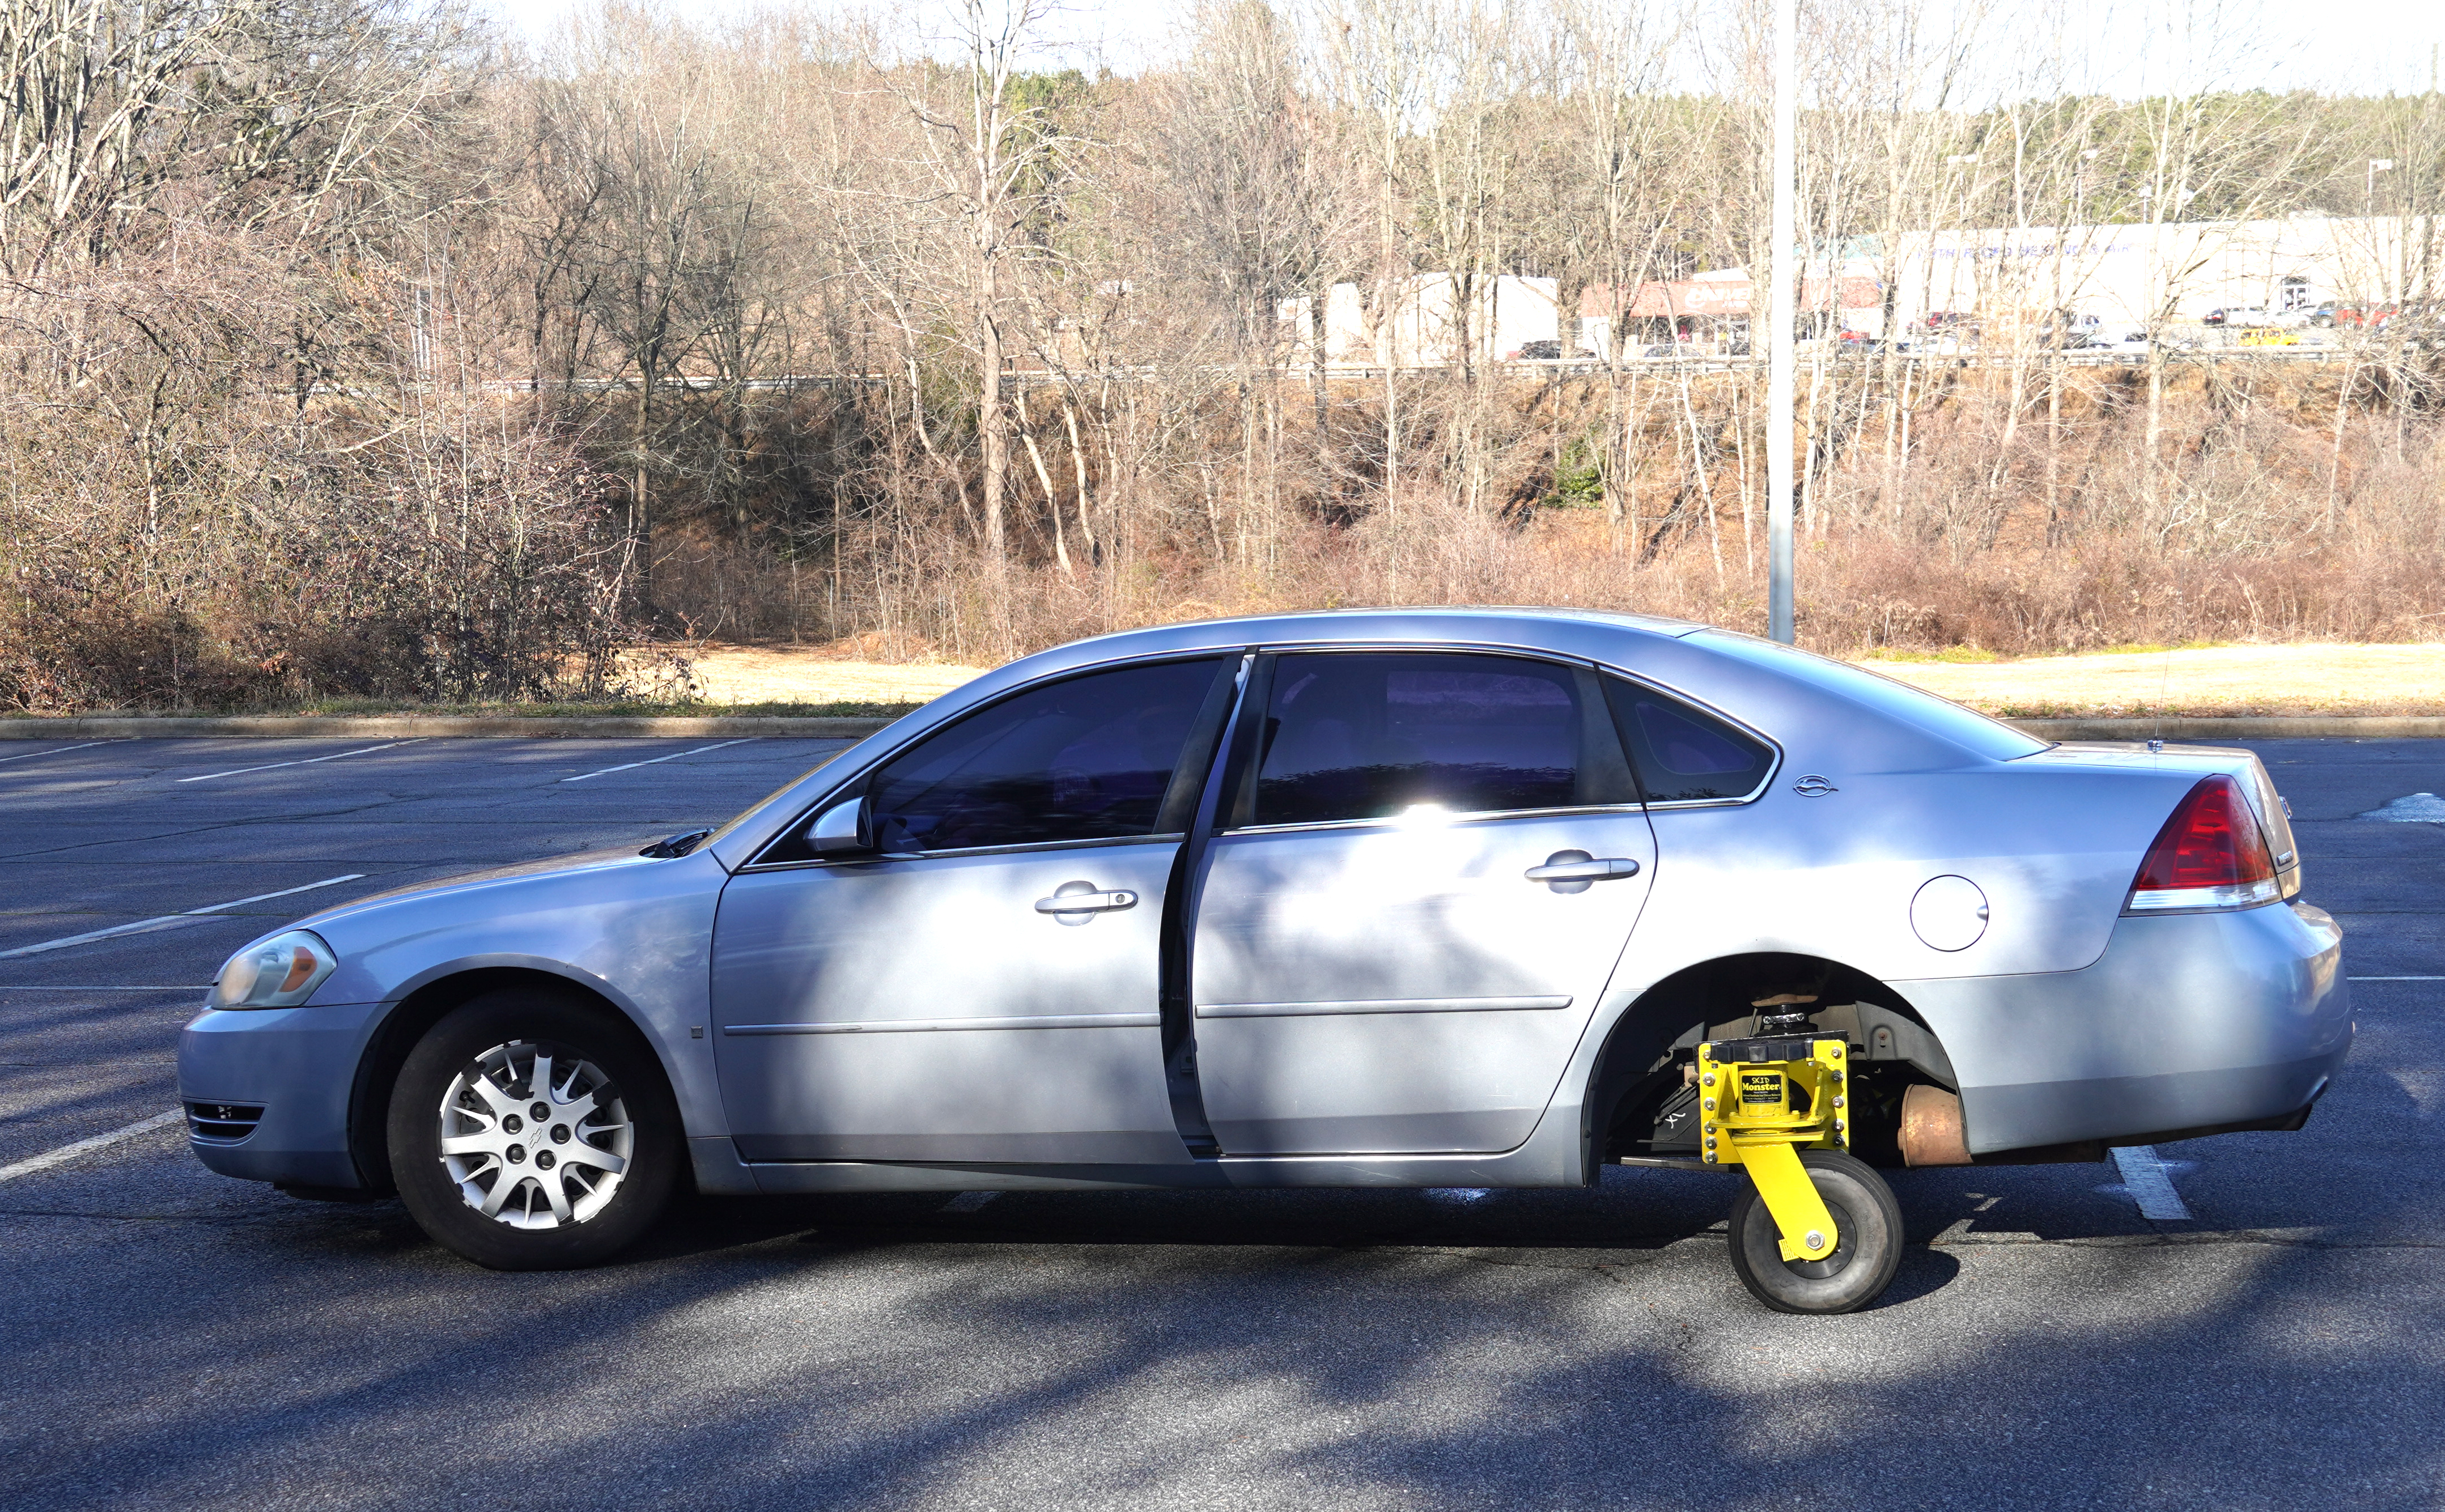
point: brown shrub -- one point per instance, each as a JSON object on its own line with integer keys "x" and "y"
{"x": 173, "y": 537}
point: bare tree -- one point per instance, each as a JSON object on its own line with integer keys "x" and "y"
{"x": 1612, "y": 63}
{"x": 1377, "y": 58}
{"x": 256, "y": 110}
{"x": 642, "y": 180}
{"x": 1263, "y": 216}
{"x": 2199, "y": 139}
{"x": 990, "y": 153}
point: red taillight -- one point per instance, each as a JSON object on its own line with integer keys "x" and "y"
{"x": 2211, "y": 854}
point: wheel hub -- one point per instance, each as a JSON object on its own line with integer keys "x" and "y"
{"x": 535, "y": 1135}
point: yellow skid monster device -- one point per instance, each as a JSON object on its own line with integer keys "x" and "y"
{"x": 1818, "y": 1231}
{"x": 1760, "y": 1109}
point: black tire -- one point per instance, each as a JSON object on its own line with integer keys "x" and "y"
{"x": 1869, "y": 1251}
{"x": 596, "y": 1211}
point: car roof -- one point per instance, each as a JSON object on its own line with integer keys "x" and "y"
{"x": 1408, "y": 622}
{"x": 1775, "y": 688}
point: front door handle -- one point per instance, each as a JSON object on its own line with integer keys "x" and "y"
{"x": 1073, "y": 901}
{"x": 1566, "y": 866}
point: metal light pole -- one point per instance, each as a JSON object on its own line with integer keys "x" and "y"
{"x": 1782, "y": 307}
{"x": 2368, "y": 212}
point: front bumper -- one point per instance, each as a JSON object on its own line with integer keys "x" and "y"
{"x": 299, "y": 1065}
{"x": 2186, "y": 1021}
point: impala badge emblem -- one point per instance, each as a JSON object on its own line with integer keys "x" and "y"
{"x": 1813, "y": 787}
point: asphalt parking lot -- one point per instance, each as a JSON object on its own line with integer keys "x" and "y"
{"x": 178, "y": 1340}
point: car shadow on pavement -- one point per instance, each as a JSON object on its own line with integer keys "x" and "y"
{"x": 1632, "y": 1214}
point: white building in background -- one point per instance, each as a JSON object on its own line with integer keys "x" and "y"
{"x": 1422, "y": 324}
{"x": 1713, "y": 309}
{"x": 2002, "y": 277}
{"x": 2123, "y": 273}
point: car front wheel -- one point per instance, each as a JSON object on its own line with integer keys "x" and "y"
{"x": 531, "y": 1132}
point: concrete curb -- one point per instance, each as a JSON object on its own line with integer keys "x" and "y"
{"x": 2270, "y": 727}
{"x": 698, "y": 726}
{"x": 410, "y": 726}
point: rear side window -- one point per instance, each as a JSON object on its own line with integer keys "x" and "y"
{"x": 1086, "y": 758}
{"x": 1370, "y": 735}
{"x": 1681, "y": 754}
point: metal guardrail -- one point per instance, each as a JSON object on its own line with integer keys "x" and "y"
{"x": 1565, "y": 366}
{"x": 1970, "y": 359}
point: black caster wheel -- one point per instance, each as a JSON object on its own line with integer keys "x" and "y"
{"x": 1864, "y": 1258}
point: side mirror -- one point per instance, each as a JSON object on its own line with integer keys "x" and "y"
{"x": 844, "y": 828}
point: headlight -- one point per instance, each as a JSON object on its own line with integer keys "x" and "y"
{"x": 282, "y": 972}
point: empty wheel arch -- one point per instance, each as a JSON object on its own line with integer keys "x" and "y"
{"x": 1639, "y": 1081}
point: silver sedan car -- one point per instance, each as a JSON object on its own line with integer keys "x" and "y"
{"x": 1422, "y": 898}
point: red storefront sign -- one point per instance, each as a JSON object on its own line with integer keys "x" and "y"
{"x": 1722, "y": 296}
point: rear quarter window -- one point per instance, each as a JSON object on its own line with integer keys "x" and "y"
{"x": 1681, "y": 754}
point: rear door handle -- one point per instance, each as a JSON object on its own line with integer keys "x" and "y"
{"x": 1601, "y": 868}
{"x": 1087, "y": 902}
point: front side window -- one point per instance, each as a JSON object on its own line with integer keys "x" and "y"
{"x": 1684, "y": 755}
{"x": 1086, "y": 758}
{"x": 1370, "y": 735}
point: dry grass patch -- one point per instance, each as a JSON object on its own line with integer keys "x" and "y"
{"x": 2198, "y": 681}
{"x": 782, "y": 673}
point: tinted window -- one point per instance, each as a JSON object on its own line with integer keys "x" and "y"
{"x": 1088, "y": 758}
{"x": 1368, "y": 737}
{"x": 1681, "y": 753}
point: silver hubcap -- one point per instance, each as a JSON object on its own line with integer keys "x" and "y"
{"x": 535, "y": 1135}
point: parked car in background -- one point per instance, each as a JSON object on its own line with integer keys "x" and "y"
{"x": 2336, "y": 313}
{"x": 2119, "y": 336}
{"x": 1545, "y": 352}
{"x": 2237, "y": 317}
{"x": 2066, "y": 333}
{"x": 2419, "y": 326}
{"x": 2268, "y": 336}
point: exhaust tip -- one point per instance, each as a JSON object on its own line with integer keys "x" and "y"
{"x": 1930, "y": 1133}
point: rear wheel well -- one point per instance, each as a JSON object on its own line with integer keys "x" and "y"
{"x": 378, "y": 1070}
{"x": 1639, "y": 1067}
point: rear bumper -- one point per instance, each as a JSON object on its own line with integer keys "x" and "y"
{"x": 2188, "y": 1022}
{"x": 299, "y": 1065}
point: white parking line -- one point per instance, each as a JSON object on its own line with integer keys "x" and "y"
{"x": 155, "y": 923}
{"x": 658, "y": 760}
{"x": 303, "y": 761}
{"x": 157, "y": 986}
{"x": 2150, "y": 1184}
{"x": 61, "y": 750}
{"x": 2395, "y": 978}
{"x": 68, "y": 1152}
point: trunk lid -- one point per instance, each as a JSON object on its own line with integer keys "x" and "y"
{"x": 2274, "y": 815}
